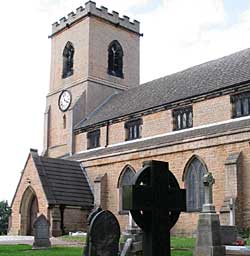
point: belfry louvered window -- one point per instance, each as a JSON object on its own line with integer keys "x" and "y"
{"x": 68, "y": 57}
{"x": 183, "y": 118}
{"x": 115, "y": 59}
{"x": 241, "y": 104}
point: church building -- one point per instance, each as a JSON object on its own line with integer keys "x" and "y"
{"x": 101, "y": 124}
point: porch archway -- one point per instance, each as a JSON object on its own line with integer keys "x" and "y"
{"x": 28, "y": 211}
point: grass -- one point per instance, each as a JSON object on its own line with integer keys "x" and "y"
{"x": 81, "y": 239}
{"x": 181, "y": 253}
{"x": 180, "y": 247}
{"x": 182, "y": 242}
{"x": 25, "y": 250}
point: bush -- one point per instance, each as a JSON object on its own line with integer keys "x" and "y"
{"x": 5, "y": 212}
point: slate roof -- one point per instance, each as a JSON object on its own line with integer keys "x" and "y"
{"x": 64, "y": 182}
{"x": 163, "y": 141}
{"x": 209, "y": 77}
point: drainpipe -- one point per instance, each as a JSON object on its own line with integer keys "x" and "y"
{"x": 107, "y": 135}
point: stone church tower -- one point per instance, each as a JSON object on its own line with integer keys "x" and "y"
{"x": 82, "y": 76}
{"x": 94, "y": 56}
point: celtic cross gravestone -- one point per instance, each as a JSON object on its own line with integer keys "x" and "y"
{"x": 208, "y": 182}
{"x": 155, "y": 201}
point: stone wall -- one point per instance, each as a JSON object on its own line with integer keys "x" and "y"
{"x": 205, "y": 112}
{"x": 29, "y": 185}
{"x": 90, "y": 36}
{"x": 75, "y": 219}
{"x": 213, "y": 151}
{"x": 212, "y": 110}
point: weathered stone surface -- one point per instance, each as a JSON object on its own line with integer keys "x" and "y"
{"x": 41, "y": 233}
{"x": 134, "y": 235}
{"x": 237, "y": 250}
{"x": 208, "y": 238}
{"x": 103, "y": 235}
{"x": 208, "y": 242}
{"x": 228, "y": 234}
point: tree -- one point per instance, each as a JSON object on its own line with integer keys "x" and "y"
{"x": 5, "y": 212}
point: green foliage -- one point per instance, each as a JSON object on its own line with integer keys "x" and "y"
{"x": 25, "y": 250}
{"x": 5, "y": 212}
{"x": 244, "y": 232}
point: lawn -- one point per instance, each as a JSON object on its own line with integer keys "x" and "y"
{"x": 25, "y": 250}
{"x": 180, "y": 247}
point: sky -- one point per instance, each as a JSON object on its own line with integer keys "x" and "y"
{"x": 177, "y": 34}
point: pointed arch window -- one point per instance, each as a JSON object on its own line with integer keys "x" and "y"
{"x": 68, "y": 57}
{"x": 125, "y": 178}
{"x": 115, "y": 59}
{"x": 195, "y": 193}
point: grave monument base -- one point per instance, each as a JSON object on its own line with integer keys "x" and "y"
{"x": 208, "y": 241}
{"x": 135, "y": 234}
{"x": 43, "y": 247}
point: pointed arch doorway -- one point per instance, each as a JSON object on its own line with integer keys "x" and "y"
{"x": 28, "y": 211}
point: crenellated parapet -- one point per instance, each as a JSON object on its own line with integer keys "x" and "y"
{"x": 102, "y": 12}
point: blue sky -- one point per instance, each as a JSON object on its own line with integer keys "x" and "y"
{"x": 147, "y": 7}
{"x": 234, "y": 9}
{"x": 177, "y": 34}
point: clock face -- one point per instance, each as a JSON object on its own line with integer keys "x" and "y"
{"x": 64, "y": 100}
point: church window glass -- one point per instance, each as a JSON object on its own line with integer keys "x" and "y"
{"x": 115, "y": 59}
{"x": 133, "y": 129}
{"x": 241, "y": 104}
{"x": 125, "y": 178}
{"x": 195, "y": 193}
{"x": 93, "y": 139}
{"x": 68, "y": 55}
{"x": 183, "y": 118}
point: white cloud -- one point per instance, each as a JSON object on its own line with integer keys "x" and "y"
{"x": 184, "y": 33}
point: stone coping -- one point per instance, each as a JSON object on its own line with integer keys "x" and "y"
{"x": 237, "y": 250}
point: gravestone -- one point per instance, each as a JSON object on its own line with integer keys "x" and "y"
{"x": 131, "y": 244}
{"x": 208, "y": 242}
{"x": 155, "y": 201}
{"x": 103, "y": 234}
{"x": 90, "y": 218}
{"x": 41, "y": 233}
